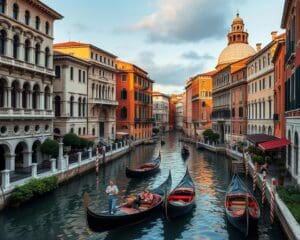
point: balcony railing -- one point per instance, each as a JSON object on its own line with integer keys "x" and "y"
{"x": 25, "y": 113}
{"x": 104, "y": 101}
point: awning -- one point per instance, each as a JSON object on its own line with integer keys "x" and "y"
{"x": 122, "y": 133}
{"x": 260, "y": 138}
{"x": 88, "y": 137}
{"x": 278, "y": 143}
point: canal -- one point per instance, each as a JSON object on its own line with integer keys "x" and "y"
{"x": 60, "y": 215}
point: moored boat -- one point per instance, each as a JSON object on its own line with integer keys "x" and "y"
{"x": 185, "y": 150}
{"x": 182, "y": 199}
{"x": 144, "y": 170}
{"x": 242, "y": 209}
{"x": 127, "y": 213}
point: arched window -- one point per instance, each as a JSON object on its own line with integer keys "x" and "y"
{"x": 93, "y": 132}
{"x": 46, "y": 98}
{"x": 27, "y": 17}
{"x": 79, "y": 107}
{"x": 296, "y": 153}
{"x": 124, "y": 112}
{"x": 47, "y": 28}
{"x": 47, "y": 57}
{"x": 57, "y": 106}
{"x": 71, "y": 106}
{"x": 37, "y": 53}
{"x": 3, "y": 39}
{"x": 79, "y": 131}
{"x": 25, "y": 95}
{"x": 83, "y": 131}
{"x": 16, "y": 44}
{"x": 3, "y": 85}
{"x": 269, "y": 131}
{"x": 37, "y": 23}
{"x": 2, "y": 6}
{"x": 289, "y": 150}
{"x": 83, "y": 107}
{"x": 15, "y": 11}
{"x": 15, "y": 89}
{"x": 35, "y": 97}
{"x": 27, "y": 50}
{"x": 123, "y": 93}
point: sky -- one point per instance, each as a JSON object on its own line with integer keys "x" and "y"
{"x": 170, "y": 39}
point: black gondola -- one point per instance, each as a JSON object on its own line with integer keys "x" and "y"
{"x": 182, "y": 199}
{"x": 242, "y": 209}
{"x": 162, "y": 142}
{"x": 126, "y": 213}
{"x": 185, "y": 150}
{"x": 144, "y": 170}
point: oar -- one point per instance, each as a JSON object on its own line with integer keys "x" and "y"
{"x": 247, "y": 215}
{"x": 166, "y": 202}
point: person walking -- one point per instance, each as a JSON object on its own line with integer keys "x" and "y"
{"x": 112, "y": 192}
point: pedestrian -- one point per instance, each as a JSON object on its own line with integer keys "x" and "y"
{"x": 112, "y": 192}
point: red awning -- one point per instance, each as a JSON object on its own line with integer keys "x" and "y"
{"x": 278, "y": 143}
{"x": 88, "y": 137}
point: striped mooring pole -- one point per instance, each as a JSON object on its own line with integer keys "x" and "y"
{"x": 247, "y": 163}
{"x": 255, "y": 177}
{"x": 264, "y": 187}
{"x": 97, "y": 160}
{"x": 272, "y": 207}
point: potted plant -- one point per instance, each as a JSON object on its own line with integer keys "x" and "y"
{"x": 281, "y": 169}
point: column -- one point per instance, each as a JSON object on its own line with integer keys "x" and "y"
{"x": 5, "y": 178}
{"x": 10, "y": 162}
{"x": 41, "y": 101}
{"x": 90, "y": 153}
{"x": 116, "y": 146}
{"x": 61, "y": 160}
{"x": 66, "y": 166}
{"x": 79, "y": 157}
{"x": 27, "y": 158}
{"x": 34, "y": 170}
{"x": 53, "y": 165}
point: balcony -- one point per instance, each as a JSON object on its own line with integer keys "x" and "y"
{"x": 26, "y": 66}
{"x": 104, "y": 101}
{"x": 144, "y": 120}
{"x": 8, "y": 113}
{"x": 276, "y": 117}
{"x": 221, "y": 115}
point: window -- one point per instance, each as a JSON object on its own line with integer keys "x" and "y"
{"x": 79, "y": 131}
{"x": 27, "y": 17}
{"x": 83, "y": 76}
{"x": 93, "y": 132}
{"x": 37, "y": 53}
{"x": 79, "y": 75}
{"x": 79, "y": 107}
{"x": 71, "y": 73}
{"x": 47, "y": 28}
{"x": 35, "y": 97}
{"x": 124, "y": 112}
{"x": 92, "y": 55}
{"x": 15, "y": 11}
{"x": 269, "y": 58}
{"x": 123, "y": 77}
{"x": 37, "y": 23}
{"x": 3, "y": 40}
{"x": 57, "y": 106}
{"x": 27, "y": 50}
{"x": 100, "y": 58}
{"x": 83, "y": 131}
{"x": 83, "y": 107}
{"x": 16, "y": 44}
{"x": 203, "y": 104}
{"x": 71, "y": 106}
{"x": 47, "y": 57}
{"x": 263, "y": 84}
{"x": 96, "y": 56}
{"x": 123, "y": 94}
{"x": 57, "y": 72}
{"x": 2, "y": 6}
{"x": 270, "y": 81}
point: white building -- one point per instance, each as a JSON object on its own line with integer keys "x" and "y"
{"x": 26, "y": 74}
{"x": 70, "y": 95}
{"x": 179, "y": 115}
{"x": 161, "y": 111}
{"x": 101, "y": 79}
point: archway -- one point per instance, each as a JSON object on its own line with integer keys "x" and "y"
{"x": 4, "y": 151}
{"x": 36, "y": 153}
{"x": 20, "y": 155}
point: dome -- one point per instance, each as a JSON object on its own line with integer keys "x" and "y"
{"x": 238, "y": 19}
{"x": 235, "y": 52}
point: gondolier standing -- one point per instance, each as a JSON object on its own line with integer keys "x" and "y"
{"x": 112, "y": 192}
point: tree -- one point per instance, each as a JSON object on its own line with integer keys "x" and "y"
{"x": 215, "y": 137}
{"x": 208, "y": 133}
{"x": 50, "y": 147}
{"x": 71, "y": 139}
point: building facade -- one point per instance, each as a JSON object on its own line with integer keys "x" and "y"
{"x": 260, "y": 81}
{"x": 161, "y": 103}
{"x": 101, "y": 87}
{"x": 174, "y": 98}
{"x": 70, "y": 89}
{"x": 179, "y": 115}
{"x": 134, "y": 94}
{"x": 188, "y": 127}
{"x": 26, "y": 74}
{"x": 291, "y": 22}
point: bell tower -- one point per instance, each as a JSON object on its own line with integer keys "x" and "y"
{"x": 237, "y": 33}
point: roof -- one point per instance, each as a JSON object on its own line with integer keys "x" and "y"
{"x": 286, "y": 9}
{"x": 160, "y": 94}
{"x": 74, "y": 44}
{"x": 260, "y": 138}
{"x": 273, "y": 144}
{"x": 42, "y": 6}
{"x": 281, "y": 42}
{"x": 235, "y": 67}
{"x": 209, "y": 74}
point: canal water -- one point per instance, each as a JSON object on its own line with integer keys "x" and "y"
{"x": 60, "y": 215}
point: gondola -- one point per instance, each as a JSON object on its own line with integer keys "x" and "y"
{"x": 126, "y": 214}
{"x": 185, "y": 150}
{"x": 162, "y": 142}
{"x": 182, "y": 199}
{"x": 144, "y": 170}
{"x": 242, "y": 209}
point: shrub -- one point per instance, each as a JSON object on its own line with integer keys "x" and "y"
{"x": 71, "y": 139}
{"x": 50, "y": 147}
{"x": 260, "y": 160}
{"x": 254, "y": 158}
{"x": 208, "y": 133}
{"x": 21, "y": 194}
{"x": 268, "y": 159}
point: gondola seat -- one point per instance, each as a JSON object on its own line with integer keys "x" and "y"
{"x": 183, "y": 198}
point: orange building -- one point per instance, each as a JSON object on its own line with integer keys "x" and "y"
{"x": 279, "y": 95}
{"x": 172, "y": 109}
{"x": 134, "y": 94}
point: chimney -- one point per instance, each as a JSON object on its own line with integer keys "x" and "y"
{"x": 258, "y": 47}
{"x": 274, "y": 35}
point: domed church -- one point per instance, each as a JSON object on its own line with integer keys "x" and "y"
{"x": 238, "y": 47}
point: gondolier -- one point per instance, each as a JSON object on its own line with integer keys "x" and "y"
{"x": 112, "y": 192}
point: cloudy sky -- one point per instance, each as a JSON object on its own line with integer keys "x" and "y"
{"x": 171, "y": 39}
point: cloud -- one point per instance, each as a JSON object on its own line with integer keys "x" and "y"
{"x": 192, "y": 55}
{"x": 179, "y": 21}
{"x": 168, "y": 74}
{"x": 80, "y": 27}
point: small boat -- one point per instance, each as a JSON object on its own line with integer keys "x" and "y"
{"x": 126, "y": 213}
{"x": 149, "y": 142}
{"x": 185, "y": 150}
{"x": 162, "y": 142}
{"x": 144, "y": 170}
{"x": 242, "y": 209}
{"x": 182, "y": 199}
